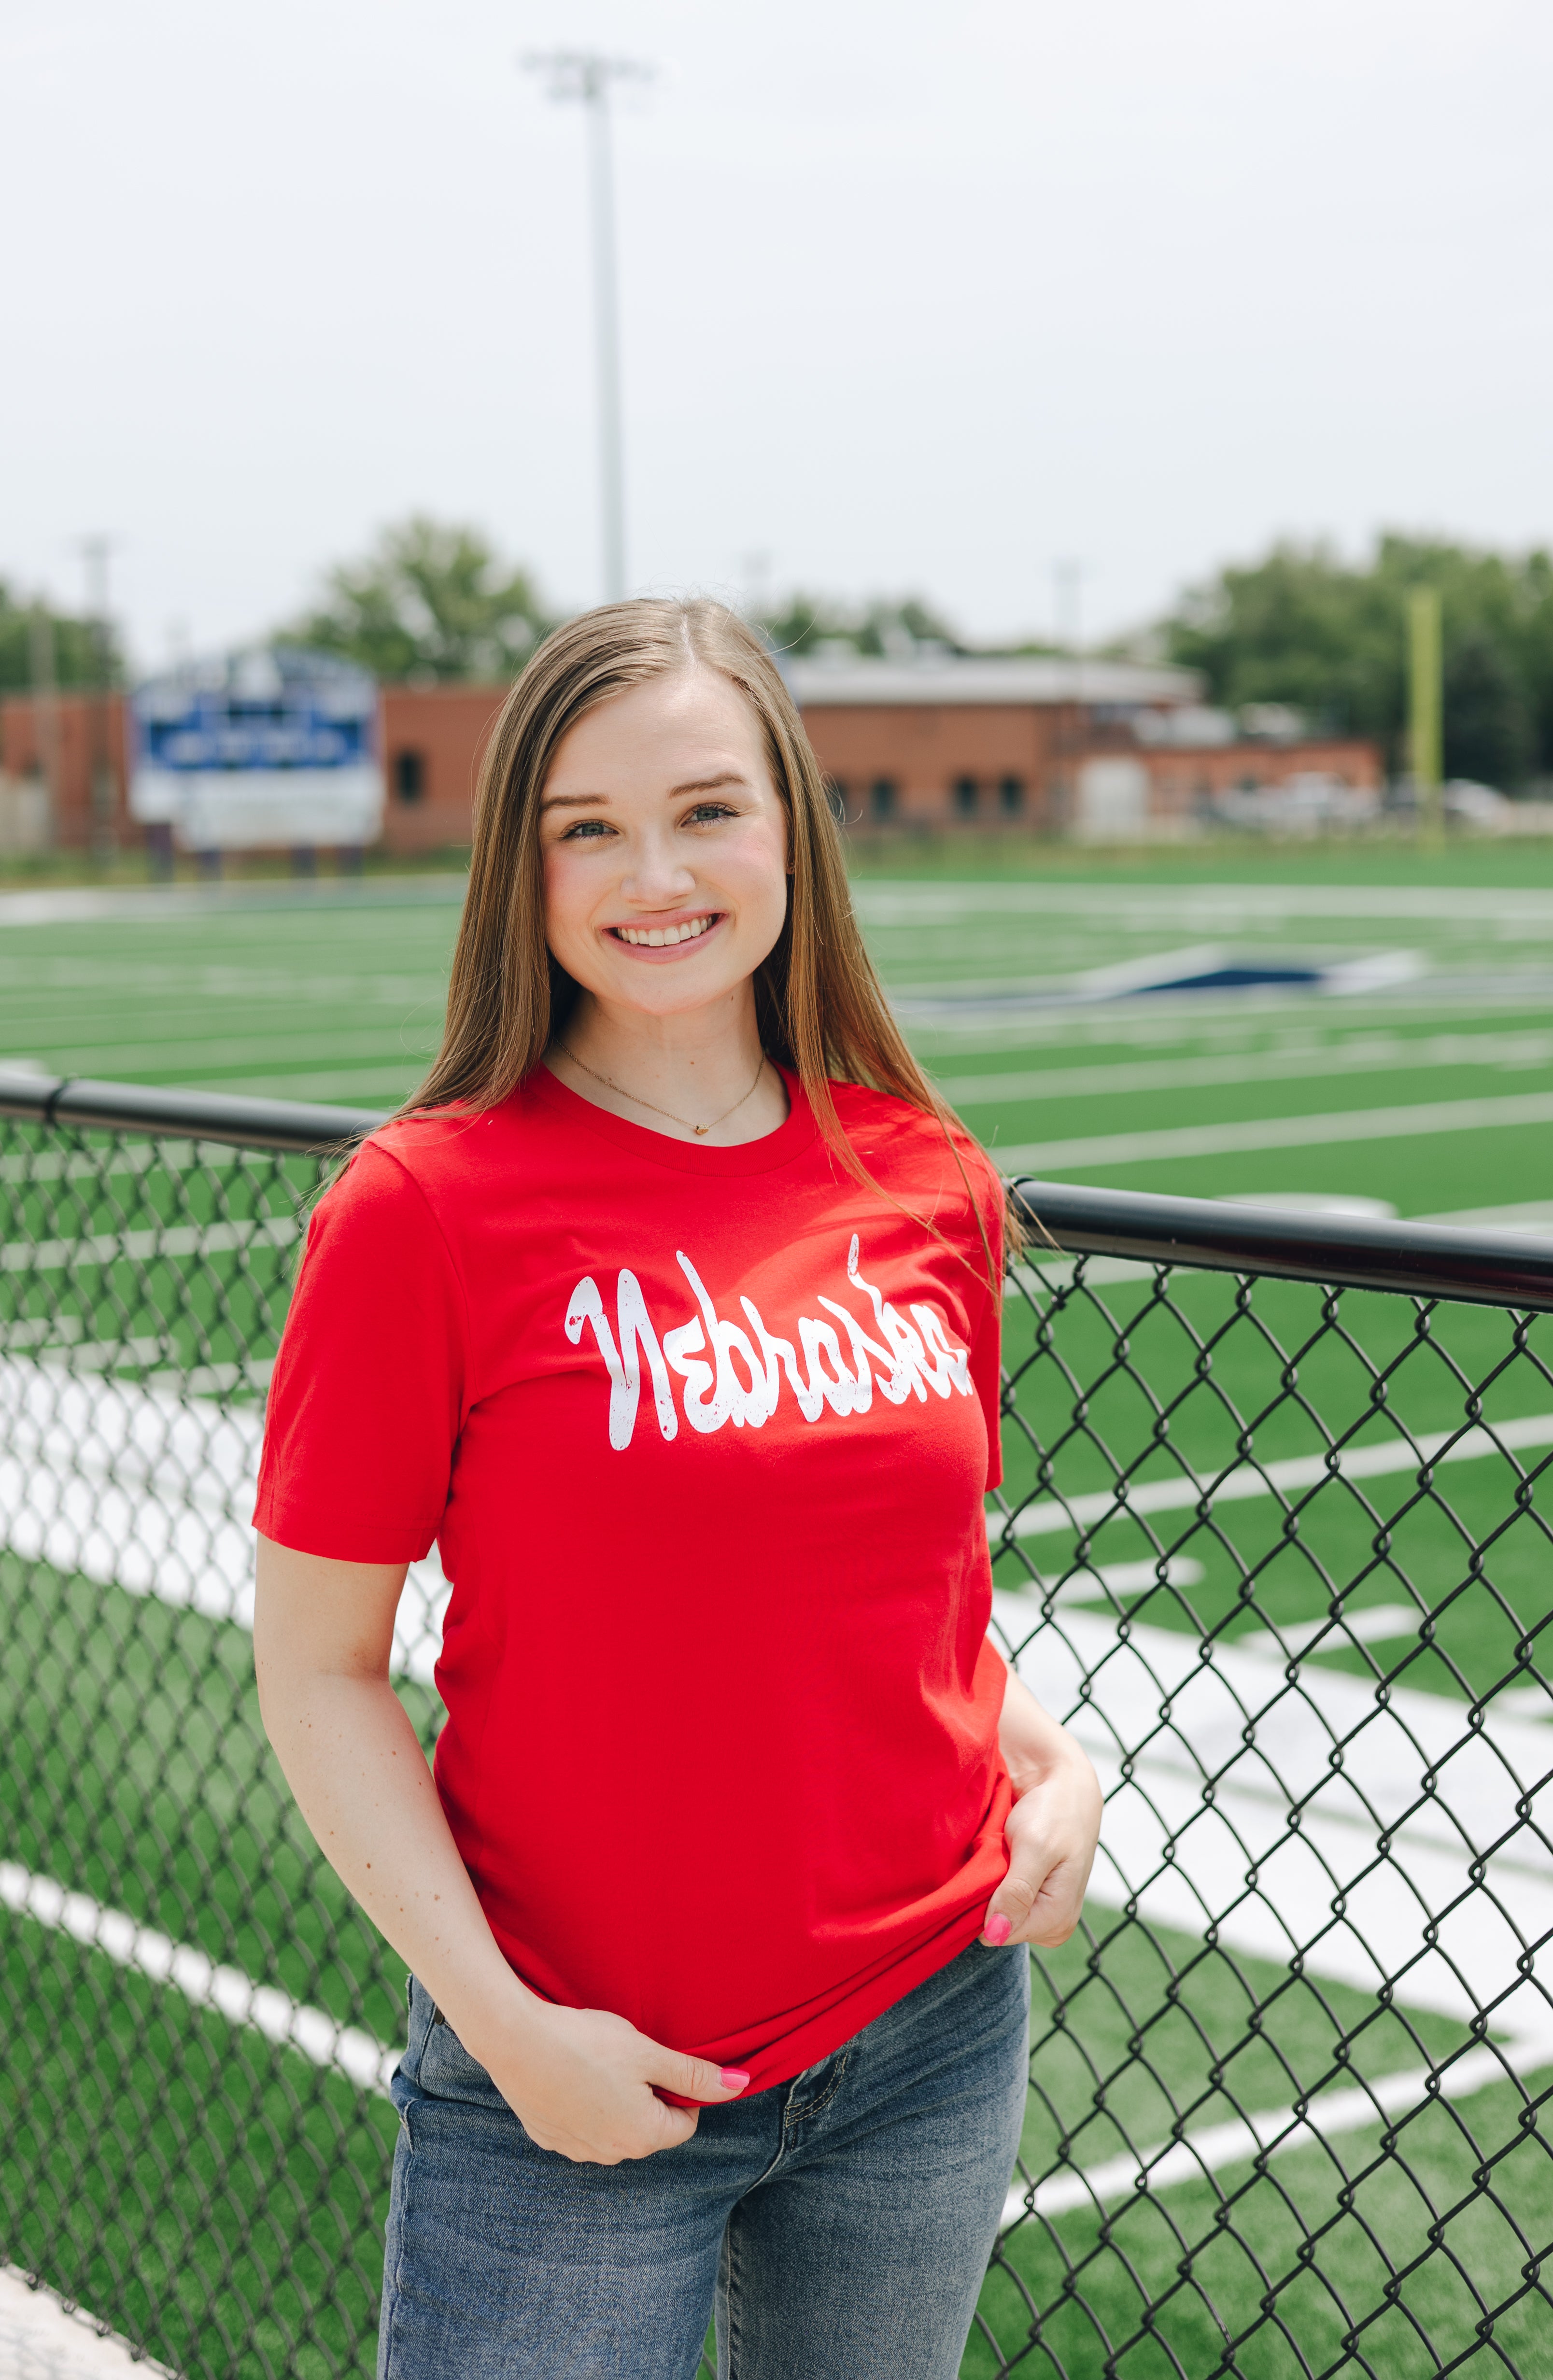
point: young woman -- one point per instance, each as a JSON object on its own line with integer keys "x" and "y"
{"x": 669, "y": 1312}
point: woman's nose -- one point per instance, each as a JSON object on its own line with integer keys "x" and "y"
{"x": 656, "y": 876}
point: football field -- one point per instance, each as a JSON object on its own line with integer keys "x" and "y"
{"x": 1400, "y": 1057}
{"x": 1375, "y": 1030}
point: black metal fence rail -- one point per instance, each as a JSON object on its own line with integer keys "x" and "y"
{"x": 1274, "y": 1536}
{"x": 1350, "y": 1252}
{"x": 77, "y": 1101}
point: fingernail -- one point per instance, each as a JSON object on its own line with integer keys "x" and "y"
{"x": 732, "y": 2079}
{"x": 997, "y": 1930}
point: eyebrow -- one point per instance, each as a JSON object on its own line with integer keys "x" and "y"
{"x": 691, "y": 785}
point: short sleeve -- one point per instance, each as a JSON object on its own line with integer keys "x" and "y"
{"x": 367, "y": 1397}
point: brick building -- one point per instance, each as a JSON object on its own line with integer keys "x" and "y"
{"x": 1091, "y": 748}
{"x": 1094, "y": 750}
{"x": 431, "y": 740}
{"x": 64, "y": 773}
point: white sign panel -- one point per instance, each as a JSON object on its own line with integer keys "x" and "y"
{"x": 272, "y": 747}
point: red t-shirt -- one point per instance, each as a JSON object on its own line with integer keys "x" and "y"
{"x": 702, "y": 1435}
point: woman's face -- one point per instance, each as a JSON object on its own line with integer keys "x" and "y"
{"x": 665, "y": 846}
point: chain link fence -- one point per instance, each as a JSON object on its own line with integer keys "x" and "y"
{"x": 1274, "y": 1539}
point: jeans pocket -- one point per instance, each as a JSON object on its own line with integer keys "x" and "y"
{"x": 449, "y": 2072}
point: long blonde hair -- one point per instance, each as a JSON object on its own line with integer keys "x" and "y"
{"x": 820, "y": 1010}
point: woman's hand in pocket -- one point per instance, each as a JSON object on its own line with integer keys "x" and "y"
{"x": 586, "y": 2084}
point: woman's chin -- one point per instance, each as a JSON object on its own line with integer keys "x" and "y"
{"x": 662, "y": 991}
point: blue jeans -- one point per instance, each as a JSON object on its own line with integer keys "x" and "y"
{"x": 838, "y": 2225}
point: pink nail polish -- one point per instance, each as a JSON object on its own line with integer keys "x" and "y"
{"x": 997, "y": 1930}
{"x": 732, "y": 2079}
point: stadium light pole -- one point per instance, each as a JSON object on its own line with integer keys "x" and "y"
{"x": 101, "y": 787}
{"x": 587, "y": 76}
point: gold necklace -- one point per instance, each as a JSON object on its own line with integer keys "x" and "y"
{"x": 700, "y": 1130}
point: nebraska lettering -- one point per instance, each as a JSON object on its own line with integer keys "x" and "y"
{"x": 732, "y": 1374}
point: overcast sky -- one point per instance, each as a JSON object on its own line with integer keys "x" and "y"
{"x": 913, "y": 296}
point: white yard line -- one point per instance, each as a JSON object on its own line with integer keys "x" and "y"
{"x": 1358, "y": 1054}
{"x": 204, "y": 904}
{"x": 1161, "y": 1724}
{"x": 144, "y": 1246}
{"x": 1274, "y": 1131}
{"x": 206, "y": 981}
{"x": 127, "y": 1157}
{"x": 1179, "y": 1859}
{"x": 1189, "y": 1020}
{"x": 1526, "y": 1434}
{"x": 1093, "y": 1585}
{"x": 343, "y": 2048}
{"x": 878, "y": 900}
{"x": 1371, "y": 1624}
{"x": 1219, "y": 909}
{"x": 1272, "y": 2133}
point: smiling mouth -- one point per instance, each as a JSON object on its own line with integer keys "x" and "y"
{"x": 659, "y": 937}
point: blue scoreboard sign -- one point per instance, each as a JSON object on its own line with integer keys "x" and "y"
{"x": 271, "y": 746}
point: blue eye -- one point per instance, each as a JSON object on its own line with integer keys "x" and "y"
{"x": 587, "y": 829}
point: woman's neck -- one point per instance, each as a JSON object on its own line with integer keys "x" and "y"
{"x": 701, "y": 1078}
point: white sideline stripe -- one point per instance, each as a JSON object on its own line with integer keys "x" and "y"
{"x": 1298, "y": 1472}
{"x": 1449, "y": 1913}
{"x": 141, "y": 1488}
{"x": 1189, "y": 1020}
{"x": 1096, "y": 1581}
{"x": 1275, "y": 1131}
{"x": 345, "y": 2049}
{"x": 341, "y": 2049}
{"x": 1275, "y": 2132}
{"x": 47, "y": 2336}
{"x": 144, "y": 1246}
{"x": 1359, "y": 1054}
{"x": 1197, "y": 1822}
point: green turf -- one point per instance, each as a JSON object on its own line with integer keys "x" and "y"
{"x": 336, "y": 994}
{"x": 139, "y": 1771}
{"x": 157, "y": 2163}
{"x": 1136, "y": 2012}
{"x": 1177, "y": 1376}
{"x": 220, "y": 2202}
{"x": 216, "y": 2199}
{"x": 1235, "y": 860}
{"x": 326, "y": 1002}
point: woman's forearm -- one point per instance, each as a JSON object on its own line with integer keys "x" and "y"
{"x": 583, "y": 2081}
{"x": 361, "y": 1781}
{"x": 321, "y": 1637}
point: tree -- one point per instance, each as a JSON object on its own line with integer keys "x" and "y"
{"x": 432, "y": 601}
{"x": 76, "y": 659}
{"x": 886, "y": 627}
{"x": 1302, "y": 627}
